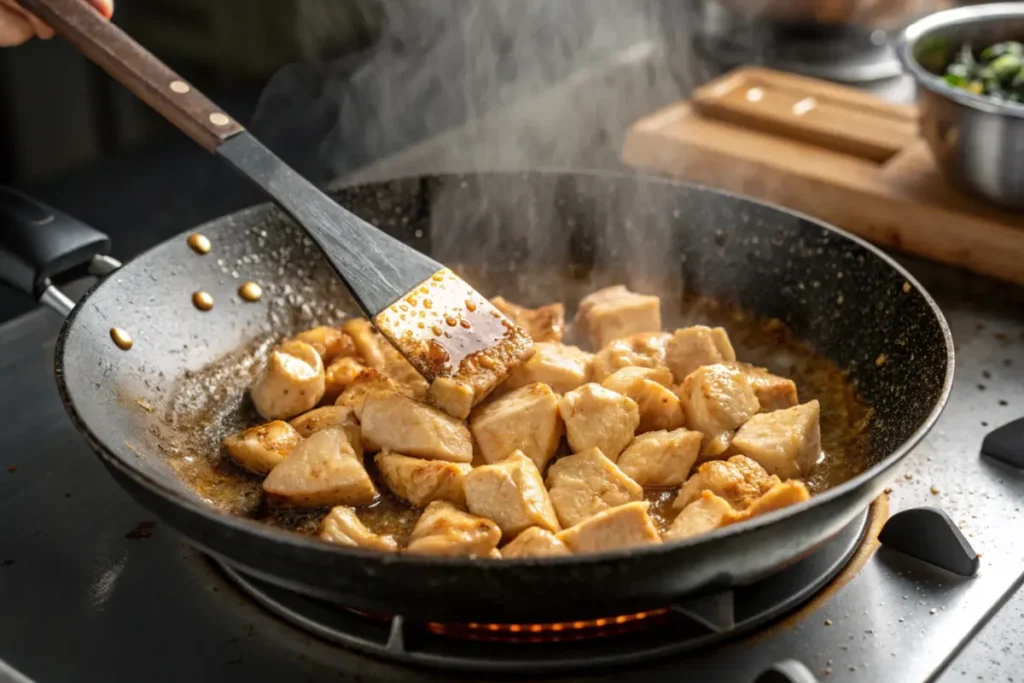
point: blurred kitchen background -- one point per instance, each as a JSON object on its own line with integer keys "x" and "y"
{"x": 353, "y": 89}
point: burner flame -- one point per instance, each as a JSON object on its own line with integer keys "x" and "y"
{"x": 548, "y": 632}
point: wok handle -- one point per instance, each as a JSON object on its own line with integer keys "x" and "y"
{"x": 40, "y": 246}
{"x": 137, "y": 69}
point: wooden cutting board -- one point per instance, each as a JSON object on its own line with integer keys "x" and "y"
{"x": 835, "y": 153}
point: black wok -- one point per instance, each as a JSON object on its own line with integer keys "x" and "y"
{"x": 532, "y": 237}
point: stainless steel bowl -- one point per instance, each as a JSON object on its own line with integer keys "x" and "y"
{"x": 977, "y": 140}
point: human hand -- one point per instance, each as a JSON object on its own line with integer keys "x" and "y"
{"x": 18, "y": 25}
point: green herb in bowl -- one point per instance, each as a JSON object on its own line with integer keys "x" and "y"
{"x": 997, "y": 71}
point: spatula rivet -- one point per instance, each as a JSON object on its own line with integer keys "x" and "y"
{"x": 219, "y": 119}
{"x": 180, "y": 87}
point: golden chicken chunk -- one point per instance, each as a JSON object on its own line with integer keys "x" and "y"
{"x": 291, "y": 383}
{"x": 322, "y": 470}
{"x": 524, "y": 420}
{"x": 261, "y": 449}
{"x": 625, "y": 526}
{"x": 705, "y": 514}
{"x": 420, "y": 481}
{"x": 561, "y": 367}
{"x": 773, "y": 392}
{"x": 329, "y": 342}
{"x": 544, "y": 324}
{"x": 739, "y": 480}
{"x": 781, "y": 495}
{"x": 444, "y": 529}
{"x": 784, "y": 442}
{"x": 339, "y": 376}
{"x": 691, "y": 347}
{"x": 615, "y": 312}
{"x": 512, "y": 494}
{"x": 640, "y": 350}
{"x": 596, "y": 417}
{"x": 367, "y": 382}
{"x": 661, "y": 458}
{"x": 398, "y": 423}
{"x": 535, "y": 542}
{"x": 378, "y": 353}
{"x": 343, "y": 527}
{"x": 716, "y": 400}
{"x": 582, "y": 485}
{"x": 331, "y": 416}
{"x": 452, "y": 396}
{"x": 659, "y": 406}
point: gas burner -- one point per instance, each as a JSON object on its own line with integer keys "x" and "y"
{"x": 688, "y": 626}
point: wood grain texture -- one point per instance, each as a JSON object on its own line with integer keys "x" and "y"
{"x": 138, "y": 70}
{"x": 901, "y": 202}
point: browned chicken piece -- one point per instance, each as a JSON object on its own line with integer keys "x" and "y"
{"x": 739, "y": 480}
{"x": 331, "y": 416}
{"x": 291, "y": 383}
{"x": 625, "y": 526}
{"x": 261, "y": 449}
{"x": 378, "y": 353}
{"x": 400, "y": 424}
{"x": 784, "y": 442}
{"x": 512, "y": 494}
{"x": 339, "y": 376}
{"x": 615, "y": 312}
{"x": 523, "y": 420}
{"x": 420, "y": 481}
{"x": 544, "y": 324}
{"x": 561, "y": 367}
{"x": 691, "y": 347}
{"x": 535, "y": 542}
{"x": 444, "y": 529}
{"x": 661, "y": 458}
{"x": 659, "y": 406}
{"x": 705, "y": 514}
{"x": 596, "y": 417}
{"x": 367, "y": 382}
{"x": 716, "y": 400}
{"x": 587, "y": 483}
{"x": 452, "y": 396}
{"x": 329, "y": 342}
{"x": 343, "y": 527}
{"x": 773, "y": 392}
{"x": 322, "y": 470}
{"x": 782, "y": 495}
{"x": 641, "y": 350}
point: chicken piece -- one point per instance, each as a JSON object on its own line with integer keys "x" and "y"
{"x": 452, "y": 396}
{"x": 367, "y": 382}
{"x": 691, "y": 347}
{"x": 322, "y": 470}
{"x": 339, "y": 376}
{"x": 329, "y": 342}
{"x": 782, "y": 495}
{"x": 716, "y": 400}
{"x": 544, "y": 324}
{"x": 660, "y": 458}
{"x": 739, "y": 480}
{"x": 641, "y": 350}
{"x": 625, "y": 526}
{"x": 561, "y": 367}
{"x": 582, "y": 485}
{"x": 773, "y": 392}
{"x": 535, "y": 542}
{"x": 331, "y": 416}
{"x": 378, "y": 353}
{"x": 420, "y": 481}
{"x": 784, "y": 442}
{"x": 596, "y": 417}
{"x": 343, "y": 527}
{"x": 615, "y": 312}
{"x": 706, "y": 513}
{"x": 524, "y": 420}
{"x": 444, "y": 529}
{"x": 398, "y": 423}
{"x": 261, "y": 449}
{"x": 659, "y": 406}
{"x": 512, "y": 494}
{"x": 291, "y": 383}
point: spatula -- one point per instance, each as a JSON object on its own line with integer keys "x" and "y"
{"x": 449, "y": 332}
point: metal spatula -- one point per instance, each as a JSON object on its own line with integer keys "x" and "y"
{"x": 449, "y": 332}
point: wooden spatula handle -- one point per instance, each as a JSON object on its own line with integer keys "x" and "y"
{"x": 137, "y": 69}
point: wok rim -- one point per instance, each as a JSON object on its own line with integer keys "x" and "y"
{"x": 266, "y": 532}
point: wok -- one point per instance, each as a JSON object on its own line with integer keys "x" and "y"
{"x": 532, "y": 237}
